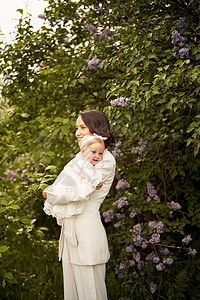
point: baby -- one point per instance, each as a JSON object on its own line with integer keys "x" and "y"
{"x": 92, "y": 148}
{"x": 80, "y": 177}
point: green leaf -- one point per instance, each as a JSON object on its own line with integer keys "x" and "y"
{"x": 4, "y": 248}
{"x": 65, "y": 129}
{"x": 51, "y": 167}
{"x": 14, "y": 206}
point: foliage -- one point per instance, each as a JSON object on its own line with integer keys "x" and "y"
{"x": 137, "y": 61}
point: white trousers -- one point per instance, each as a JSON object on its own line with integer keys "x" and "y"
{"x": 84, "y": 282}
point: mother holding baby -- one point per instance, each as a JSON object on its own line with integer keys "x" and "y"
{"x": 83, "y": 245}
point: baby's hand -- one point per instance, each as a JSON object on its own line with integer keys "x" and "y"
{"x": 44, "y": 194}
{"x": 99, "y": 185}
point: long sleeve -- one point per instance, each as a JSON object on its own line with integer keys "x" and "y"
{"x": 69, "y": 188}
{"x": 75, "y": 183}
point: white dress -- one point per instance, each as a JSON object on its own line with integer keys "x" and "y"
{"x": 83, "y": 245}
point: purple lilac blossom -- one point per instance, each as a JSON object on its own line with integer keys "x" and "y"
{"x": 145, "y": 145}
{"x": 168, "y": 261}
{"x": 156, "y": 227}
{"x": 152, "y": 194}
{"x": 160, "y": 267}
{"x": 179, "y": 40}
{"x": 156, "y": 259}
{"x": 144, "y": 244}
{"x": 129, "y": 248}
{"x": 192, "y": 251}
{"x": 119, "y": 224}
{"x": 187, "y": 239}
{"x": 176, "y": 37}
{"x": 122, "y": 183}
{"x": 122, "y": 101}
{"x": 10, "y": 175}
{"x": 152, "y": 287}
{"x": 121, "y": 202}
{"x": 108, "y": 216}
{"x": 140, "y": 265}
{"x": 92, "y": 29}
{"x": 164, "y": 251}
{"x": 184, "y": 53}
{"x": 120, "y": 216}
{"x": 137, "y": 240}
{"x": 174, "y": 206}
{"x": 155, "y": 238}
{"x": 41, "y": 16}
{"x": 181, "y": 25}
{"x": 94, "y": 64}
{"x": 131, "y": 263}
{"x": 133, "y": 213}
{"x": 136, "y": 229}
{"x": 117, "y": 152}
{"x": 137, "y": 256}
{"x": 104, "y": 34}
{"x": 150, "y": 256}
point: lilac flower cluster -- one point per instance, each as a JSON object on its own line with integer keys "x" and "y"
{"x": 117, "y": 152}
{"x": 164, "y": 251}
{"x": 42, "y": 16}
{"x": 160, "y": 265}
{"x": 10, "y": 175}
{"x": 133, "y": 213}
{"x": 156, "y": 227}
{"x": 108, "y": 216}
{"x": 145, "y": 145}
{"x": 92, "y": 29}
{"x": 122, "y": 183}
{"x": 187, "y": 239}
{"x": 174, "y": 206}
{"x": 94, "y": 64}
{"x": 121, "y": 202}
{"x": 102, "y": 35}
{"x": 151, "y": 192}
{"x": 137, "y": 239}
{"x": 192, "y": 251}
{"x": 152, "y": 287}
{"x": 180, "y": 25}
{"x": 155, "y": 238}
{"x": 179, "y": 40}
{"x": 168, "y": 261}
{"x": 120, "y": 217}
{"x": 122, "y": 101}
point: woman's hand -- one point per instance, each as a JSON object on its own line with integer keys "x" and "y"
{"x": 99, "y": 185}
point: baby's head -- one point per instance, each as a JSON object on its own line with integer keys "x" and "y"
{"x": 92, "y": 148}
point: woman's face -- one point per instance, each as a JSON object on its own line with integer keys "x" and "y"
{"x": 81, "y": 130}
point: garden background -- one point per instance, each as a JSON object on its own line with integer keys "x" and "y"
{"x": 138, "y": 61}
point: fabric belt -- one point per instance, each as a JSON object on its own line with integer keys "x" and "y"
{"x": 68, "y": 231}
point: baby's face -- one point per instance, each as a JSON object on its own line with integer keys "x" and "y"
{"x": 94, "y": 153}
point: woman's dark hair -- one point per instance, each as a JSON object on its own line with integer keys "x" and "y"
{"x": 98, "y": 123}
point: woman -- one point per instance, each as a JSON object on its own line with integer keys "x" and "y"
{"x": 83, "y": 245}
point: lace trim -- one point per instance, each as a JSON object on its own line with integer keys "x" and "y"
{"x": 63, "y": 211}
